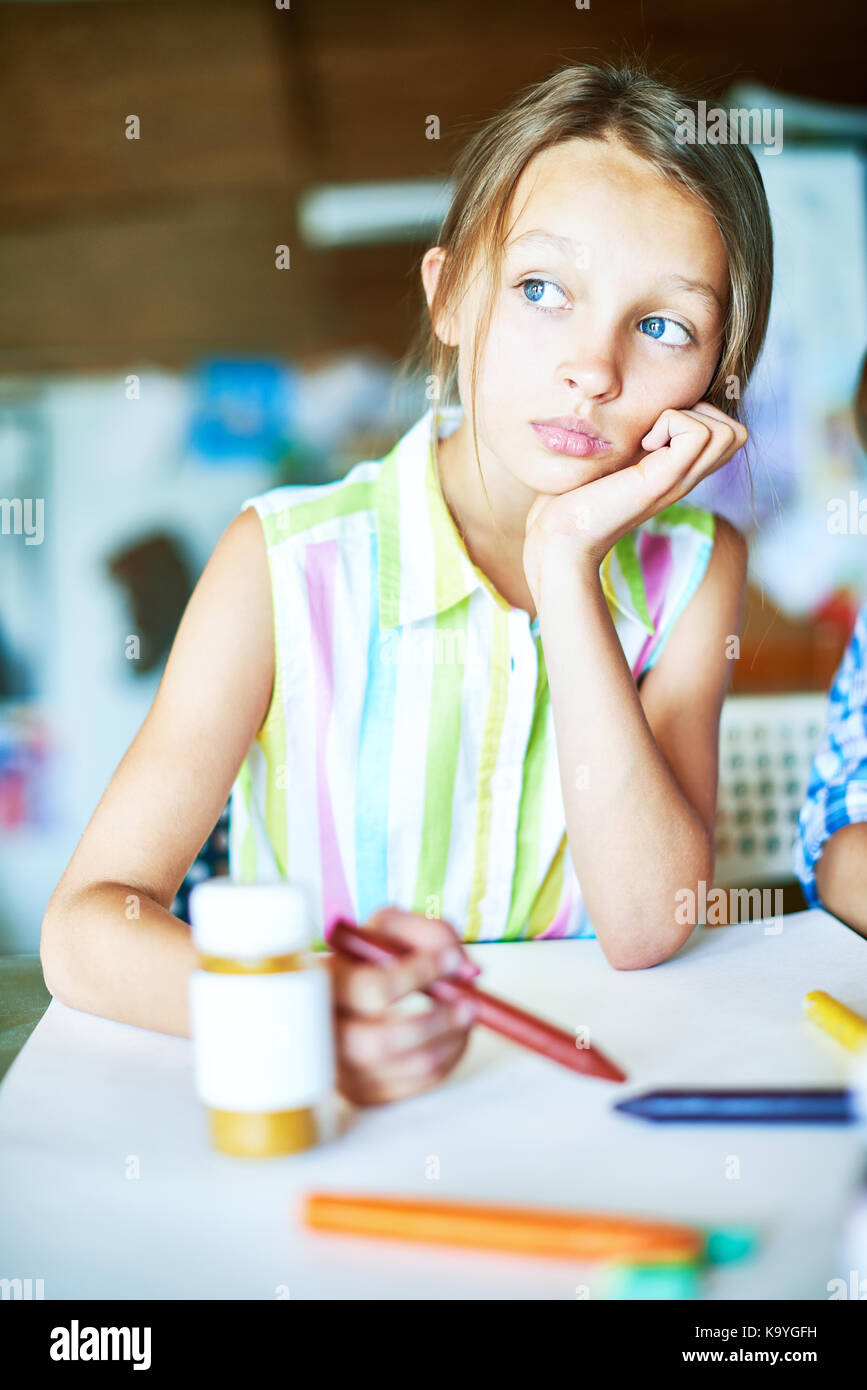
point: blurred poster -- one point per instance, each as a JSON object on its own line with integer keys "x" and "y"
{"x": 805, "y": 455}
{"x": 24, "y": 598}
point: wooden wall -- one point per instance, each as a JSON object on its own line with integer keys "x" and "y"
{"x": 115, "y": 252}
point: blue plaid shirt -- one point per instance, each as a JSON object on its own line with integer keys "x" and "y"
{"x": 837, "y": 790}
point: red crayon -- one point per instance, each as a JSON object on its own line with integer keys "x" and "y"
{"x": 521, "y": 1027}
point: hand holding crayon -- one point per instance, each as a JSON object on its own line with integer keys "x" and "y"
{"x": 516, "y": 1024}
{"x": 383, "y": 1054}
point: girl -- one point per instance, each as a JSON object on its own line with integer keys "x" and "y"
{"x": 469, "y": 677}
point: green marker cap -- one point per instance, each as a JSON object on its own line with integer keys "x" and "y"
{"x": 653, "y": 1281}
{"x": 729, "y": 1244}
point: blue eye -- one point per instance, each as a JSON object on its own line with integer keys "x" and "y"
{"x": 537, "y": 286}
{"x": 659, "y": 320}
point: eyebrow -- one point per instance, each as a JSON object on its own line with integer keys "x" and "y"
{"x": 570, "y": 247}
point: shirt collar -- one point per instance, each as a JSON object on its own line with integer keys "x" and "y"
{"x": 424, "y": 567}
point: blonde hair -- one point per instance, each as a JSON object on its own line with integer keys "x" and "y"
{"x": 595, "y": 102}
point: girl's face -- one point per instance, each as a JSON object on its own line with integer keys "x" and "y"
{"x": 593, "y": 317}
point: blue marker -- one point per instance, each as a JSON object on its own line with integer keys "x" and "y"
{"x": 819, "y": 1106}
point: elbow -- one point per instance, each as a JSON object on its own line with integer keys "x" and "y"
{"x": 51, "y": 956}
{"x": 641, "y": 959}
{"x": 656, "y": 937}
{"x": 839, "y": 875}
{"x": 650, "y": 940}
{"x": 48, "y": 956}
{"x": 648, "y": 944}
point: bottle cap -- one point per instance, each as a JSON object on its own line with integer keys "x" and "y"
{"x": 247, "y": 921}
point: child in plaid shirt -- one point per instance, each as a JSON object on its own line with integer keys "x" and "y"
{"x": 831, "y": 845}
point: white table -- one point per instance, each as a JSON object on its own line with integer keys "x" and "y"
{"x": 86, "y": 1096}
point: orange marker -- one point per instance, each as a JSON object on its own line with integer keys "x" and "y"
{"x": 570, "y": 1235}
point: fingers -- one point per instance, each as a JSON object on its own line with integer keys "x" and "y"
{"x": 683, "y": 447}
{"x": 699, "y": 441}
{"x": 728, "y": 432}
{"x": 406, "y": 1075}
{"x": 708, "y": 424}
{"x": 383, "y": 1054}
{"x": 381, "y": 1041}
{"x": 676, "y": 441}
{"x": 437, "y": 951}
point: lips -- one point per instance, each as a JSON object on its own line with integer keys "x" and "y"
{"x": 574, "y": 423}
{"x": 570, "y": 436}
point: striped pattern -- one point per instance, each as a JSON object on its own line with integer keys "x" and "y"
{"x": 837, "y": 789}
{"x": 409, "y": 756}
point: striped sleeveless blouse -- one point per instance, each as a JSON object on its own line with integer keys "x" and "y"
{"x": 408, "y": 756}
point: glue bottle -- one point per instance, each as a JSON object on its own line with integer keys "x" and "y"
{"x": 260, "y": 1019}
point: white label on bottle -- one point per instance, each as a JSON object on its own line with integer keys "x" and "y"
{"x": 262, "y": 1042}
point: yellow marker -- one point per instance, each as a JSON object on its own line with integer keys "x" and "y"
{"x": 842, "y": 1023}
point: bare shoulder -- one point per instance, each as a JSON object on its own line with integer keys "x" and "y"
{"x": 240, "y": 557}
{"x": 729, "y": 547}
{"x": 227, "y": 628}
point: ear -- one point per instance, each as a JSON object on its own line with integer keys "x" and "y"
{"x": 431, "y": 267}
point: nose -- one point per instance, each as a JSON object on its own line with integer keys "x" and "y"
{"x": 592, "y": 373}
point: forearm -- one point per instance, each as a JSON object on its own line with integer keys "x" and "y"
{"x": 100, "y": 957}
{"x": 841, "y": 875}
{"x": 634, "y": 837}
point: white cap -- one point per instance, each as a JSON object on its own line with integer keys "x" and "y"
{"x": 249, "y": 920}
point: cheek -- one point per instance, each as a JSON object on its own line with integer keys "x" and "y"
{"x": 508, "y": 334}
{"x": 506, "y": 360}
{"x": 523, "y": 350}
{"x": 690, "y": 375}
{"x": 696, "y": 377}
{"x": 675, "y": 385}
